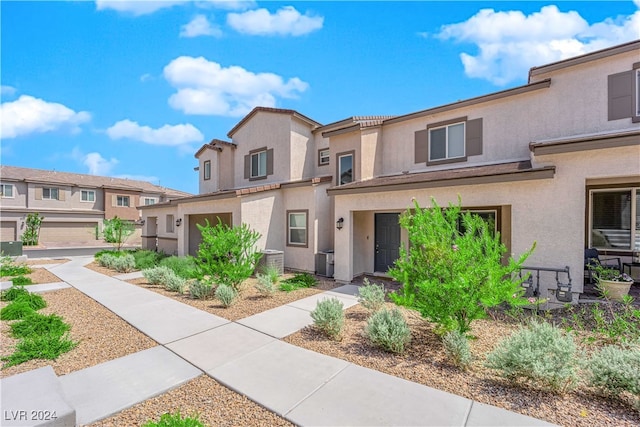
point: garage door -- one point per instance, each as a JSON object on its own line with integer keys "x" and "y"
{"x": 73, "y": 232}
{"x": 7, "y": 231}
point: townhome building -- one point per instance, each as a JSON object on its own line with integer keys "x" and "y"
{"x": 555, "y": 161}
{"x": 73, "y": 205}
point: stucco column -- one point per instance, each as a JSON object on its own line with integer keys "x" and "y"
{"x": 343, "y": 267}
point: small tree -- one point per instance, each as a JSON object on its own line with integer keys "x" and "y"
{"x": 31, "y": 235}
{"x": 227, "y": 254}
{"x": 452, "y": 272}
{"x": 117, "y": 231}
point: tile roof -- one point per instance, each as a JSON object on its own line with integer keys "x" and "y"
{"x": 253, "y": 112}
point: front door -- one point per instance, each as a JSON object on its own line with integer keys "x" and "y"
{"x": 387, "y": 240}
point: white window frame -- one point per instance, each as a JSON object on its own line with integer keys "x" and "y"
{"x": 120, "y": 201}
{"x": 88, "y": 199}
{"x": 148, "y": 201}
{"x": 258, "y": 173}
{"x": 50, "y": 191}
{"x": 170, "y": 226}
{"x": 446, "y": 142}
{"x": 3, "y": 188}
{"x": 635, "y": 232}
{"x": 324, "y": 157}
{"x": 206, "y": 172}
{"x": 340, "y": 157}
{"x": 305, "y": 228}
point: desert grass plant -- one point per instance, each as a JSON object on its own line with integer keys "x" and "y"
{"x": 389, "y": 330}
{"x": 372, "y": 296}
{"x": 124, "y": 264}
{"x": 146, "y": 258}
{"x": 175, "y": 283}
{"x": 175, "y": 420}
{"x": 47, "y": 346}
{"x": 184, "y": 266}
{"x": 615, "y": 370}
{"x": 39, "y": 324}
{"x": 8, "y": 267}
{"x": 13, "y": 293}
{"x": 539, "y": 353}
{"x": 456, "y": 347}
{"x": 199, "y": 289}
{"x": 298, "y": 281}
{"x": 226, "y": 294}
{"x": 268, "y": 280}
{"x": 328, "y": 316}
{"x": 35, "y": 301}
{"x": 21, "y": 281}
{"x": 157, "y": 276}
{"x": 16, "y": 310}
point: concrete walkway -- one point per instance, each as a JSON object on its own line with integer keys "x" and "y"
{"x": 247, "y": 356}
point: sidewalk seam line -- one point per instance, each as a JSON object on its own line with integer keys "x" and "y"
{"x": 466, "y": 416}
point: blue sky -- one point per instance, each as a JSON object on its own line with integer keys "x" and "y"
{"x": 133, "y": 89}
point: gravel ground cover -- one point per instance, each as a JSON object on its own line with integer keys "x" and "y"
{"x": 102, "y": 270}
{"x": 102, "y": 335}
{"x": 43, "y": 261}
{"x": 216, "y": 405}
{"x": 425, "y": 362}
{"x": 38, "y": 276}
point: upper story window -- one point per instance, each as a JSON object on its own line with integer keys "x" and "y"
{"x": 206, "y": 173}
{"x": 88, "y": 195}
{"x": 259, "y": 164}
{"x": 614, "y": 218}
{"x": 149, "y": 201}
{"x": 323, "y": 157}
{"x": 345, "y": 168}
{"x": 623, "y": 95}
{"x": 6, "y": 191}
{"x": 446, "y": 142}
{"x": 122, "y": 201}
{"x": 51, "y": 193}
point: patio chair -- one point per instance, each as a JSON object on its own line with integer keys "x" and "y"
{"x": 592, "y": 259}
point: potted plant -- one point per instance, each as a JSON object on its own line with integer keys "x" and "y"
{"x": 612, "y": 283}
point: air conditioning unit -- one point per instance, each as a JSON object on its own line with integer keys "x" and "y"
{"x": 325, "y": 263}
{"x": 271, "y": 258}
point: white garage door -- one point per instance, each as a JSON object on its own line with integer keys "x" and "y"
{"x": 7, "y": 231}
{"x": 73, "y": 232}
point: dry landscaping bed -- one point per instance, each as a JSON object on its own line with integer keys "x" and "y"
{"x": 37, "y": 276}
{"x": 425, "y": 362}
{"x": 93, "y": 265}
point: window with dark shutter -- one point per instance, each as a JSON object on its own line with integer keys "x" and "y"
{"x": 421, "y": 146}
{"x": 620, "y": 95}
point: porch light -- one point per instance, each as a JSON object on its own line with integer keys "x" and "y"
{"x": 339, "y": 223}
{"x": 178, "y": 222}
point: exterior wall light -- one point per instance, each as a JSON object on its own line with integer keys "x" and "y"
{"x": 178, "y": 222}
{"x": 339, "y": 223}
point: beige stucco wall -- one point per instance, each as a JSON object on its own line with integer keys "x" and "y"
{"x": 301, "y": 157}
{"x": 210, "y": 185}
{"x": 19, "y": 198}
{"x": 321, "y": 143}
{"x": 226, "y": 167}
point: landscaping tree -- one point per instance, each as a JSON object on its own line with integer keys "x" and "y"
{"x": 452, "y": 271}
{"x": 31, "y": 235}
{"x": 227, "y": 255}
{"x": 117, "y": 231}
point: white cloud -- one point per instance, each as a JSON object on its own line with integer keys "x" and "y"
{"x": 28, "y": 115}
{"x": 176, "y": 135}
{"x": 200, "y": 26}
{"x": 137, "y": 7}
{"x": 7, "y": 90}
{"x": 509, "y": 43}
{"x": 98, "y": 165}
{"x": 227, "y": 4}
{"x": 205, "y": 87}
{"x": 146, "y": 77}
{"x": 286, "y": 21}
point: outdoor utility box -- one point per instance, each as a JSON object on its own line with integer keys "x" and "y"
{"x": 271, "y": 258}
{"x": 11, "y": 248}
{"x": 325, "y": 263}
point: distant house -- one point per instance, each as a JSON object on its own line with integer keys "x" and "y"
{"x": 72, "y": 205}
{"x": 555, "y": 161}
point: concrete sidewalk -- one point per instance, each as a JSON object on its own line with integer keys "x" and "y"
{"x": 305, "y": 387}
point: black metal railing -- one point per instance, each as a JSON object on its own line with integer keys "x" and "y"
{"x": 531, "y": 283}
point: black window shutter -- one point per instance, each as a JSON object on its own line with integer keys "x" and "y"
{"x": 620, "y": 95}
{"x": 270, "y": 161}
{"x": 247, "y": 166}
{"x": 421, "y": 147}
{"x": 474, "y": 137}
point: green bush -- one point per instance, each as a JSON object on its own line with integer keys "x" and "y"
{"x": 147, "y": 259}
{"x": 107, "y": 260}
{"x": 456, "y": 346}
{"x": 124, "y": 264}
{"x": 35, "y": 301}
{"x": 183, "y": 266}
{"x": 157, "y": 276}
{"x": 22, "y": 281}
{"x": 539, "y": 353}
{"x": 13, "y": 293}
{"x": 117, "y": 231}
{"x": 39, "y": 324}
{"x": 615, "y": 370}
{"x": 47, "y": 346}
{"x": 298, "y": 281}
{"x": 226, "y": 295}
{"x": 372, "y": 296}
{"x": 9, "y": 269}
{"x": 268, "y": 281}
{"x": 175, "y": 420}
{"x": 452, "y": 271}
{"x": 388, "y": 329}
{"x": 175, "y": 283}
{"x": 199, "y": 289}
{"x": 329, "y": 317}
{"x": 228, "y": 255}
{"x": 31, "y": 234}
{"x": 16, "y": 310}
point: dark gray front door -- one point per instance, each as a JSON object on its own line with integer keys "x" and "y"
{"x": 387, "y": 240}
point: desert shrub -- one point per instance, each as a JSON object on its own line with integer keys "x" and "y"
{"x": 372, "y": 296}
{"x": 452, "y": 271}
{"x": 13, "y": 293}
{"x": 147, "y": 259}
{"x": 107, "y": 260}
{"x": 31, "y": 234}
{"x": 157, "y": 276}
{"x": 124, "y": 264}
{"x": 39, "y": 324}
{"x": 175, "y": 283}
{"x": 539, "y": 353}
{"x": 183, "y": 266}
{"x": 175, "y": 420}
{"x": 21, "y": 281}
{"x": 226, "y": 295}
{"x": 47, "y": 346}
{"x": 298, "y": 281}
{"x": 615, "y": 370}
{"x": 117, "y": 231}
{"x": 228, "y": 255}
{"x": 199, "y": 289}
{"x": 268, "y": 281}
{"x": 8, "y": 268}
{"x": 35, "y": 301}
{"x": 388, "y": 329}
{"x": 329, "y": 317}
{"x": 16, "y": 310}
{"x": 456, "y": 346}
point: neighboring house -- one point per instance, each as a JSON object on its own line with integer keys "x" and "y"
{"x": 556, "y": 162}
{"x": 72, "y": 205}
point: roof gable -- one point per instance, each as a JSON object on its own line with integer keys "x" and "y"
{"x": 312, "y": 123}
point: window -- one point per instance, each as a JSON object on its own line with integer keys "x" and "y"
{"x": 170, "y": 223}
{"x": 615, "y": 219}
{"x": 122, "y": 201}
{"x": 88, "y": 195}
{"x": 323, "y": 157}
{"x": 297, "y": 228}
{"x": 148, "y": 201}
{"x": 50, "y": 193}
{"x": 623, "y": 95}
{"x": 259, "y": 164}
{"x": 345, "y": 168}
{"x": 637, "y": 93}
{"x": 6, "y": 190}
{"x": 446, "y": 142}
{"x": 207, "y": 170}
